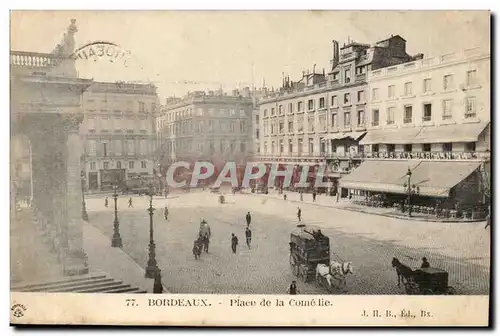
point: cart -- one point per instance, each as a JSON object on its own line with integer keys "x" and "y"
{"x": 429, "y": 281}
{"x": 306, "y": 252}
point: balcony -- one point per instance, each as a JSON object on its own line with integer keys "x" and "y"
{"x": 427, "y": 118}
{"x": 361, "y": 77}
{"x": 375, "y": 123}
{"x": 408, "y": 120}
{"x": 26, "y": 59}
{"x": 470, "y": 115}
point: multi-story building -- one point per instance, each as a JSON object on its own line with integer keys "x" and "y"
{"x": 119, "y": 131}
{"x": 321, "y": 118}
{"x": 211, "y": 126}
{"x": 431, "y": 116}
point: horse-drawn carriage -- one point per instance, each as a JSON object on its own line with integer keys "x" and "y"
{"x": 310, "y": 259}
{"x": 423, "y": 281}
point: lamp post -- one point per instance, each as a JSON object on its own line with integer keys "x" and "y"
{"x": 412, "y": 190}
{"x": 116, "y": 241}
{"x": 152, "y": 270}
{"x": 85, "y": 215}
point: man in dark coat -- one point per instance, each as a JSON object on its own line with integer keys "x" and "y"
{"x": 234, "y": 242}
{"x": 293, "y": 288}
{"x": 106, "y": 202}
{"x": 425, "y": 263}
{"x": 248, "y": 218}
{"x": 299, "y": 214}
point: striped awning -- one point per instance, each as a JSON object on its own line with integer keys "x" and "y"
{"x": 344, "y": 135}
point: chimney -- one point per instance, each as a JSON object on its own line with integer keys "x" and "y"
{"x": 335, "y": 58}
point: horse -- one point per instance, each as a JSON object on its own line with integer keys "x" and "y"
{"x": 405, "y": 273}
{"x": 324, "y": 271}
{"x": 339, "y": 270}
{"x": 197, "y": 249}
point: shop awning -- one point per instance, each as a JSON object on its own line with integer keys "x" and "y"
{"x": 433, "y": 178}
{"x": 390, "y": 136}
{"x": 344, "y": 135}
{"x": 426, "y": 134}
{"x": 450, "y": 133}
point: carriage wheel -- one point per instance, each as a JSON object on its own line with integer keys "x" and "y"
{"x": 411, "y": 288}
{"x": 451, "y": 291}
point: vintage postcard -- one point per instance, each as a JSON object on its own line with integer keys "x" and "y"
{"x": 250, "y": 168}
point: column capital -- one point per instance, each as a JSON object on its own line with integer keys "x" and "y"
{"x": 71, "y": 123}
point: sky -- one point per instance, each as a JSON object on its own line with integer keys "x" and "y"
{"x": 236, "y": 49}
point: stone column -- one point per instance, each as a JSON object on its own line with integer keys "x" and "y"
{"x": 75, "y": 259}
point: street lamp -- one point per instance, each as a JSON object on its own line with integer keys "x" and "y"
{"x": 412, "y": 190}
{"x": 85, "y": 215}
{"x": 152, "y": 270}
{"x": 116, "y": 241}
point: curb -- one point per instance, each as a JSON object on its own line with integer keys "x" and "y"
{"x": 416, "y": 219}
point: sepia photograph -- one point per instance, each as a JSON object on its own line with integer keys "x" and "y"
{"x": 294, "y": 161}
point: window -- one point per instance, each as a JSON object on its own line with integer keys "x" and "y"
{"x": 144, "y": 125}
{"x": 282, "y": 147}
{"x": 257, "y": 119}
{"x": 470, "y": 107}
{"x": 322, "y": 122}
{"x": 471, "y": 78}
{"x": 105, "y": 165}
{"x": 470, "y": 146}
{"x": 347, "y": 119}
{"x": 265, "y": 147}
{"x": 118, "y": 165}
{"x": 361, "y": 118}
{"x": 408, "y": 89}
{"x": 311, "y": 145}
{"x": 210, "y": 125}
{"x": 231, "y": 127}
{"x": 142, "y": 107}
{"x": 390, "y": 115}
{"x": 300, "y": 145}
{"x": 336, "y": 75}
{"x": 130, "y": 147}
{"x": 407, "y": 148}
{"x": 391, "y": 148}
{"x": 91, "y": 123}
{"x": 447, "y": 113}
{"x": 118, "y": 147}
{"x": 92, "y": 147}
{"x": 427, "y": 112}
{"x": 300, "y": 125}
{"x": 300, "y": 106}
{"x": 273, "y": 111}
{"x": 335, "y": 101}
{"x": 310, "y": 124}
{"x": 310, "y": 104}
{"x": 375, "y": 148}
{"x": 265, "y": 113}
{"x": 347, "y": 76}
{"x": 322, "y": 102}
{"x": 334, "y": 120}
{"x": 280, "y": 109}
{"x": 144, "y": 165}
{"x": 447, "y": 147}
{"x": 143, "y": 147}
{"x": 105, "y": 124}
{"x": 426, "y": 147}
{"x": 347, "y": 98}
{"x": 243, "y": 126}
{"x": 290, "y": 146}
{"x": 290, "y": 127}
{"x": 92, "y": 166}
{"x": 391, "y": 91}
{"x": 282, "y": 127}
{"x": 408, "y": 117}
{"x": 375, "y": 117}
{"x": 448, "y": 82}
{"x": 427, "y": 85}
{"x": 273, "y": 144}
{"x": 375, "y": 94}
{"x": 361, "y": 96}
{"x": 131, "y": 165}
{"x": 257, "y": 134}
{"x": 290, "y": 108}
{"x": 105, "y": 149}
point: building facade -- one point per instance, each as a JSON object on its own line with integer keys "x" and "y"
{"x": 211, "y": 126}
{"x": 431, "y": 116}
{"x": 322, "y": 117}
{"x": 119, "y": 132}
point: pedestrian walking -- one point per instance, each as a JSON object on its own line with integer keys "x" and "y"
{"x": 314, "y": 196}
{"x": 130, "y": 205}
{"x": 299, "y": 214}
{"x": 166, "y": 213}
{"x": 248, "y": 218}
{"x": 234, "y": 242}
{"x": 248, "y": 235}
{"x": 292, "y": 290}
{"x": 488, "y": 217}
{"x": 284, "y": 197}
{"x": 301, "y": 196}
{"x": 106, "y": 202}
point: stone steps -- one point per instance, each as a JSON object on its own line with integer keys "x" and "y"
{"x": 96, "y": 283}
